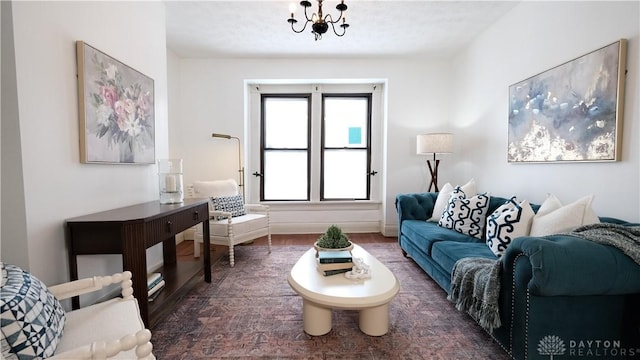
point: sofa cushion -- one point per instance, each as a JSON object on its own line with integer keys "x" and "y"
{"x": 554, "y": 218}
{"x": 233, "y": 204}
{"x": 32, "y": 318}
{"x": 425, "y": 234}
{"x": 507, "y": 222}
{"x": 446, "y": 253}
{"x": 445, "y": 193}
{"x": 466, "y": 215}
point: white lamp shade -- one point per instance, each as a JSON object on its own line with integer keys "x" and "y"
{"x": 434, "y": 143}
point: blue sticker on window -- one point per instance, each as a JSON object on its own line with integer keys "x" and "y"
{"x": 355, "y": 136}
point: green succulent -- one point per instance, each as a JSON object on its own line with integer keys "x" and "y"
{"x": 333, "y": 238}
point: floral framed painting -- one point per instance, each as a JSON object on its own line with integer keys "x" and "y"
{"x": 572, "y": 112}
{"x": 116, "y": 110}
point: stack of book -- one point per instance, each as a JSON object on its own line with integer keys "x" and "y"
{"x": 155, "y": 283}
{"x": 334, "y": 262}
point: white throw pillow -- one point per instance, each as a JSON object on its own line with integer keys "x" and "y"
{"x": 466, "y": 215}
{"x": 507, "y": 222}
{"x": 549, "y": 204}
{"x": 442, "y": 201}
{"x": 590, "y": 216}
{"x": 555, "y": 220}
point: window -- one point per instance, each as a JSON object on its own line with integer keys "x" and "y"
{"x": 346, "y": 160}
{"x": 316, "y": 143}
{"x": 285, "y": 147}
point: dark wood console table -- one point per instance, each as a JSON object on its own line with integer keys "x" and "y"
{"x": 130, "y": 231}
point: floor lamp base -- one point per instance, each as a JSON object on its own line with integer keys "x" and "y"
{"x": 433, "y": 169}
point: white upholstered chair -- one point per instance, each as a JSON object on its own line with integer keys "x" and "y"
{"x": 112, "y": 329}
{"x": 232, "y": 222}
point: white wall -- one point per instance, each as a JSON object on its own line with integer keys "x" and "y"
{"x": 176, "y": 121}
{"x": 56, "y": 185}
{"x": 470, "y": 100}
{"x": 12, "y": 181}
{"x": 211, "y": 99}
{"x": 467, "y": 96}
{"x": 534, "y": 37}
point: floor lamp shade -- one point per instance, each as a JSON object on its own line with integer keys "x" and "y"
{"x": 434, "y": 143}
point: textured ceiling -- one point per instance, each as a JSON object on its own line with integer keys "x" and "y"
{"x": 206, "y": 29}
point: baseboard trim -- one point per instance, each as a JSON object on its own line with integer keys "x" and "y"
{"x": 319, "y": 228}
{"x": 390, "y": 230}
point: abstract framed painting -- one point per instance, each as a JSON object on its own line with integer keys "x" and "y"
{"x": 116, "y": 110}
{"x": 572, "y": 112}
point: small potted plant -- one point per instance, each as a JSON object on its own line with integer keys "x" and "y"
{"x": 333, "y": 239}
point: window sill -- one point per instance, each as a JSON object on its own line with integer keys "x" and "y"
{"x": 323, "y": 205}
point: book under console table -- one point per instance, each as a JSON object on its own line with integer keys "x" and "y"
{"x": 129, "y": 231}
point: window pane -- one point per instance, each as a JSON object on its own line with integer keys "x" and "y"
{"x": 286, "y": 122}
{"x": 345, "y": 174}
{"x": 285, "y": 175}
{"x": 345, "y": 121}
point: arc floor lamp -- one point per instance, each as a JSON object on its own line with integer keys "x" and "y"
{"x": 434, "y": 143}
{"x": 240, "y": 167}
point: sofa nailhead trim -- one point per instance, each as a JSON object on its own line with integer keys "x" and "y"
{"x": 513, "y": 305}
{"x": 510, "y": 350}
{"x": 526, "y": 328}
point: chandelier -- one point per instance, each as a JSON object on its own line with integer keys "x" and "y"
{"x": 320, "y": 24}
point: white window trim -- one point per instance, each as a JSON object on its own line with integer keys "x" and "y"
{"x": 252, "y": 145}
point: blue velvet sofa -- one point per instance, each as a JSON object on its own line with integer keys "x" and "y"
{"x": 559, "y": 294}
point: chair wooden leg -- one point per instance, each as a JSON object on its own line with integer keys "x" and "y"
{"x": 196, "y": 248}
{"x": 269, "y": 230}
{"x": 231, "y": 259}
{"x": 232, "y": 243}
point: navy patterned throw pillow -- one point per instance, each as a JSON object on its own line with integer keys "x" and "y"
{"x": 233, "y": 204}
{"x": 32, "y": 318}
{"x": 466, "y": 216}
{"x": 507, "y": 222}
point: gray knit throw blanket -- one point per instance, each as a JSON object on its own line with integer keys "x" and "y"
{"x": 625, "y": 238}
{"x": 475, "y": 286}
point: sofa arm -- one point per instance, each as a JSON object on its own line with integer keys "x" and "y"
{"x": 87, "y": 285}
{"x": 564, "y": 265}
{"x": 418, "y": 206}
{"x": 141, "y": 341}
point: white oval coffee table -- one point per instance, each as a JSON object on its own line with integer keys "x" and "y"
{"x": 321, "y": 294}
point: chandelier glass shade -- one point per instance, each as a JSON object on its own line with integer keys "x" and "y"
{"x": 320, "y": 22}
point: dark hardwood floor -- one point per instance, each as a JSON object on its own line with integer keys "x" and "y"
{"x": 185, "y": 249}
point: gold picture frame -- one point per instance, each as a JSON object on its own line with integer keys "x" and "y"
{"x": 115, "y": 109}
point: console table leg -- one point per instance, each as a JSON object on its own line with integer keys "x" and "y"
{"x": 169, "y": 255}
{"x": 375, "y": 321}
{"x": 207, "y": 250}
{"x": 134, "y": 259}
{"x": 316, "y": 319}
{"x": 73, "y": 275}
